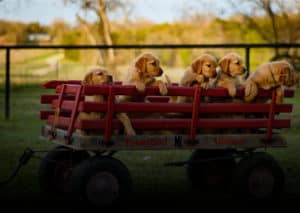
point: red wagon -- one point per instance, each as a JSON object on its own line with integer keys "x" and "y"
{"x": 223, "y": 134}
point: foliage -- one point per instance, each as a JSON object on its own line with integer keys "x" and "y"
{"x": 71, "y": 38}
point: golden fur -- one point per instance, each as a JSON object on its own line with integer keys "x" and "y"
{"x": 100, "y": 76}
{"x": 143, "y": 72}
{"x": 232, "y": 73}
{"x": 201, "y": 72}
{"x": 270, "y": 75}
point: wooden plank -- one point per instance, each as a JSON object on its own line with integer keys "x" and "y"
{"x": 157, "y": 124}
{"x": 172, "y": 91}
{"x": 44, "y": 114}
{"x": 167, "y": 142}
{"x": 48, "y": 98}
{"x": 180, "y": 108}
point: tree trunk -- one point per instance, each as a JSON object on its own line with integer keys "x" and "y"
{"x": 91, "y": 38}
{"x": 106, "y": 30}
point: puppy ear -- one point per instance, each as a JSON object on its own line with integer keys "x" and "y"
{"x": 140, "y": 64}
{"x": 224, "y": 64}
{"x": 88, "y": 79}
{"x": 197, "y": 66}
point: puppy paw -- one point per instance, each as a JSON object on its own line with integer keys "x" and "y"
{"x": 251, "y": 91}
{"x": 279, "y": 100}
{"x": 205, "y": 85}
{"x": 232, "y": 91}
{"x": 279, "y": 95}
{"x": 163, "y": 89}
{"x": 81, "y": 132}
{"x": 141, "y": 87}
{"x": 130, "y": 132}
{"x": 199, "y": 78}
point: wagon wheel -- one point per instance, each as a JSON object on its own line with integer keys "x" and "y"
{"x": 101, "y": 181}
{"x": 258, "y": 178}
{"x": 56, "y": 167}
{"x": 211, "y": 169}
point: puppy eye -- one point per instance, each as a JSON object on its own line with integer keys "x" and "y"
{"x": 208, "y": 65}
{"x": 100, "y": 73}
{"x": 153, "y": 63}
{"x": 237, "y": 63}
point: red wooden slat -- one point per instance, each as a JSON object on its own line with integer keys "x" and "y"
{"x": 62, "y": 121}
{"x": 182, "y": 107}
{"x": 195, "y": 113}
{"x": 271, "y": 115}
{"x": 45, "y": 113}
{"x": 172, "y": 91}
{"x": 175, "y": 123}
{"x": 159, "y": 99}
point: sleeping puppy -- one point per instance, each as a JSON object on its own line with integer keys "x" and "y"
{"x": 143, "y": 72}
{"x": 270, "y": 75}
{"x": 100, "y": 76}
{"x": 200, "y": 73}
{"x": 232, "y": 73}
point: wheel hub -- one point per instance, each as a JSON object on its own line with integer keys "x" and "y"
{"x": 261, "y": 182}
{"x": 102, "y": 188}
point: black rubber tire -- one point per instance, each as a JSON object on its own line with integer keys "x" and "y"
{"x": 210, "y": 175}
{"x": 101, "y": 181}
{"x": 258, "y": 179}
{"x": 55, "y": 169}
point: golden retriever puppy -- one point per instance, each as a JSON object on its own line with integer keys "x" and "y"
{"x": 143, "y": 72}
{"x": 232, "y": 73}
{"x": 270, "y": 75}
{"x": 100, "y": 76}
{"x": 201, "y": 72}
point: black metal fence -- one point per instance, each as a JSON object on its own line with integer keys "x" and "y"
{"x": 247, "y": 48}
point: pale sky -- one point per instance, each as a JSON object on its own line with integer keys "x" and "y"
{"x": 158, "y": 11}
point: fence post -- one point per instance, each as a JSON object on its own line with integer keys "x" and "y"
{"x": 7, "y": 85}
{"x": 248, "y": 58}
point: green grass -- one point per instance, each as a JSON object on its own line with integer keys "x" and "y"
{"x": 151, "y": 179}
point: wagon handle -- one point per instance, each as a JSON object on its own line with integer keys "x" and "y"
{"x": 52, "y": 133}
{"x": 73, "y": 115}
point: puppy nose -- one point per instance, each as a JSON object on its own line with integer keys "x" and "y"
{"x": 110, "y": 78}
{"x": 161, "y": 71}
{"x": 215, "y": 74}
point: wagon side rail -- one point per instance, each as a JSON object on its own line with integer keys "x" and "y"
{"x": 73, "y": 103}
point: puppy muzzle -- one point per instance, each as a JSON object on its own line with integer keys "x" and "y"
{"x": 214, "y": 74}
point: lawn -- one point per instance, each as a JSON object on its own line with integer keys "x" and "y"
{"x": 153, "y": 182}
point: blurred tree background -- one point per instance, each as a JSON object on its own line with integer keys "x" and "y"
{"x": 249, "y": 21}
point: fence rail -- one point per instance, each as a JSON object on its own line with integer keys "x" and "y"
{"x": 246, "y": 47}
